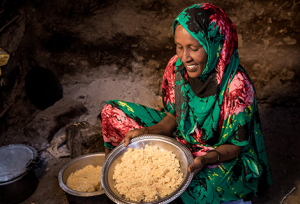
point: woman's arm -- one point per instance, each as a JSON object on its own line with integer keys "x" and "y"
{"x": 227, "y": 152}
{"x": 165, "y": 127}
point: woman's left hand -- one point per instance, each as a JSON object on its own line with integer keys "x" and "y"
{"x": 226, "y": 153}
{"x": 199, "y": 163}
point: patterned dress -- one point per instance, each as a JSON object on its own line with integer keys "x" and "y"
{"x": 219, "y": 107}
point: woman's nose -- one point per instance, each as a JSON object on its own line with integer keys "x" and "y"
{"x": 186, "y": 57}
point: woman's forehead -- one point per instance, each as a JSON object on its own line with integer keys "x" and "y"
{"x": 183, "y": 36}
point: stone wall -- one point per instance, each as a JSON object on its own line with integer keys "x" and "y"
{"x": 73, "y": 37}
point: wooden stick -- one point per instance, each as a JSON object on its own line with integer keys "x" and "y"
{"x": 288, "y": 194}
{"x": 10, "y": 22}
{"x": 6, "y": 109}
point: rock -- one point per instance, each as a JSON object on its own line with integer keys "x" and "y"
{"x": 43, "y": 127}
{"x": 83, "y": 138}
{"x": 55, "y": 144}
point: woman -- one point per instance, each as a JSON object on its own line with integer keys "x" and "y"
{"x": 210, "y": 106}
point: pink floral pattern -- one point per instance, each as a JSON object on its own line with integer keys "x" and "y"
{"x": 239, "y": 95}
{"x": 115, "y": 124}
{"x": 168, "y": 83}
{"x": 227, "y": 28}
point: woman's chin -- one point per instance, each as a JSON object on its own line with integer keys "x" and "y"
{"x": 193, "y": 74}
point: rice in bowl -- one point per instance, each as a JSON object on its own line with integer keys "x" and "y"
{"x": 86, "y": 179}
{"x": 146, "y": 175}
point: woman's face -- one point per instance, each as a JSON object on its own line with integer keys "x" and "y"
{"x": 190, "y": 51}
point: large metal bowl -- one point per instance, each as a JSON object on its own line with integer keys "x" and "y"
{"x": 183, "y": 154}
{"x": 76, "y": 197}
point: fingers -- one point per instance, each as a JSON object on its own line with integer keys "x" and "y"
{"x": 197, "y": 165}
{"x": 133, "y": 133}
{"x": 192, "y": 168}
{"x": 129, "y": 135}
{"x": 127, "y": 139}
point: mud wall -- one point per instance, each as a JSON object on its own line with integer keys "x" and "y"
{"x": 72, "y": 37}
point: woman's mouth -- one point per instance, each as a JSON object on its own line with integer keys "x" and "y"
{"x": 191, "y": 68}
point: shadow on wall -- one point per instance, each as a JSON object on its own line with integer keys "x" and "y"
{"x": 62, "y": 34}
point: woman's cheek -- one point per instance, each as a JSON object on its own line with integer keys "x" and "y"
{"x": 179, "y": 53}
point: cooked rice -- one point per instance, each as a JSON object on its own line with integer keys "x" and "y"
{"x": 147, "y": 174}
{"x": 86, "y": 179}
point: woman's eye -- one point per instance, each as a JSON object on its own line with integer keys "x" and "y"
{"x": 179, "y": 47}
{"x": 194, "y": 49}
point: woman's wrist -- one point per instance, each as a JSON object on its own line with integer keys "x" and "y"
{"x": 146, "y": 130}
{"x": 211, "y": 157}
{"x": 156, "y": 129}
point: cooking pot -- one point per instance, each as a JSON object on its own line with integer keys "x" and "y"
{"x": 77, "y": 197}
{"x": 18, "y": 180}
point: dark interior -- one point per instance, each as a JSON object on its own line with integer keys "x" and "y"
{"x": 95, "y": 50}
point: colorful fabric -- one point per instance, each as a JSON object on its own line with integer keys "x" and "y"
{"x": 118, "y": 117}
{"x": 217, "y": 108}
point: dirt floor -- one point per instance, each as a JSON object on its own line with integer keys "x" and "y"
{"x": 281, "y": 127}
{"x": 279, "y": 123}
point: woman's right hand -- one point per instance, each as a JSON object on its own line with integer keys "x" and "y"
{"x": 134, "y": 133}
{"x": 165, "y": 127}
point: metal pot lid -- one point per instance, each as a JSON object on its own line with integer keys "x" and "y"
{"x": 15, "y": 160}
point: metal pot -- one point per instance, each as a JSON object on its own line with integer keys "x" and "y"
{"x": 76, "y": 197}
{"x": 18, "y": 180}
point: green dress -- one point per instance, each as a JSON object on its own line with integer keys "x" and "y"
{"x": 219, "y": 107}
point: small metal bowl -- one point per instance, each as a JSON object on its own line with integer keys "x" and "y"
{"x": 76, "y": 197}
{"x": 182, "y": 153}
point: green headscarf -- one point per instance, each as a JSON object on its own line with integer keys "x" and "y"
{"x": 199, "y": 102}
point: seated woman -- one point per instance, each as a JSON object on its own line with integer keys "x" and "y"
{"x": 210, "y": 106}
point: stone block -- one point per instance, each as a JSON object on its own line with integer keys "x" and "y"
{"x": 83, "y": 138}
{"x": 44, "y": 126}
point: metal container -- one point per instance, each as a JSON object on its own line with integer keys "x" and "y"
{"x": 182, "y": 153}
{"x": 18, "y": 180}
{"x": 77, "y": 197}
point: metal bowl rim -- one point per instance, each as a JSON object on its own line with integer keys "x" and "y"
{"x": 167, "y": 199}
{"x": 24, "y": 170}
{"x": 71, "y": 191}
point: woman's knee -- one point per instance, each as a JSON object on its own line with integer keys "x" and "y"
{"x": 106, "y": 109}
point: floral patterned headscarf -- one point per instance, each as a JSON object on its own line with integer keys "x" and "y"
{"x": 217, "y": 34}
{"x": 200, "y": 102}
